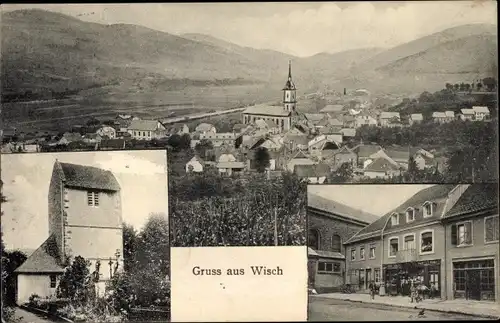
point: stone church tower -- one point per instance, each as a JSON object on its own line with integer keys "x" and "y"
{"x": 289, "y": 92}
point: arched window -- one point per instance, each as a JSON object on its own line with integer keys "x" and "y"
{"x": 313, "y": 239}
{"x": 336, "y": 243}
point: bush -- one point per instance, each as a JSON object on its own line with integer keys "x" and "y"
{"x": 35, "y": 301}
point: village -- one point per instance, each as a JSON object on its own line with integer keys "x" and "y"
{"x": 310, "y": 145}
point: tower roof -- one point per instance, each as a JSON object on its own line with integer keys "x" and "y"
{"x": 289, "y": 85}
{"x": 88, "y": 177}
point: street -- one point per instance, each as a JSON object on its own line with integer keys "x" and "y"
{"x": 23, "y": 316}
{"x": 339, "y": 310}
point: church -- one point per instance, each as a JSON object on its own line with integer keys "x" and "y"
{"x": 283, "y": 115}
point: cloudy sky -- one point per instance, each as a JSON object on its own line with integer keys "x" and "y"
{"x": 300, "y": 29}
{"x": 26, "y": 178}
{"x": 375, "y": 199}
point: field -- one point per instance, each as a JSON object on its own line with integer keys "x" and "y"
{"x": 107, "y": 102}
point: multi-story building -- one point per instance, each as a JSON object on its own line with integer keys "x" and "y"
{"x": 85, "y": 219}
{"x": 146, "y": 129}
{"x": 330, "y": 223}
{"x": 446, "y": 235}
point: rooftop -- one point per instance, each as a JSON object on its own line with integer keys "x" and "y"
{"x": 45, "y": 259}
{"x": 476, "y": 198}
{"x": 270, "y": 110}
{"x": 87, "y": 177}
{"x": 143, "y": 125}
{"x": 333, "y": 207}
{"x": 381, "y": 165}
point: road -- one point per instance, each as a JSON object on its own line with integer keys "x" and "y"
{"x": 24, "y": 316}
{"x": 321, "y": 309}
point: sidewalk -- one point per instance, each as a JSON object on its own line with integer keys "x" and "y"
{"x": 467, "y": 307}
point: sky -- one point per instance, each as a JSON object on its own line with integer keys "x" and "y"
{"x": 296, "y": 28}
{"x": 374, "y": 199}
{"x": 141, "y": 174}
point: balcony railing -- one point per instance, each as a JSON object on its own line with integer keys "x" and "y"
{"x": 407, "y": 255}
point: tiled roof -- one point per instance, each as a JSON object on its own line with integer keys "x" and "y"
{"x": 270, "y": 110}
{"x": 296, "y": 139}
{"x": 481, "y": 109}
{"x": 330, "y": 206}
{"x": 417, "y": 117}
{"x": 143, "y": 125}
{"x": 329, "y": 254}
{"x": 204, "y": 127}
{"x": 348, "y": 132}
{"x": 364, "y": 151}
{"x": 433, "y": 193}
{"x": 45, "y": 259}
{"x": 402, "y": 155}
{"x": 476, "y": 198}
{"x": 381, "y": 165}
{"x": 314, "y": 116}
{"x": 87, "y": 177}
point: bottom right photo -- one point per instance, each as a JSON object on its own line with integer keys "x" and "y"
{"x": 399, "y": 252}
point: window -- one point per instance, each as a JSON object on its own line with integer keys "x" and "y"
{"x": 353, "y": 254}
{"x": 427, "y": 242}
{"x": 409, "y": 242}
{"x": 491, "y": 229}
{"x": 53, "y": 281}
{"x": 336, "y": 243}
{"x": 428, "y": 209}
{"x": 93, "y": 198}
{"x": 394, "y": 219}
{"x": 328, "y": 267}
{"x": 372, "y": 252}
{"x": 313, "y": 239}
{"x": 463, "y": 234}
{"x": 376, "y": 273}
{"x": 393, "y": 246}
{"x": 410, "y": 214}
{"x": 362, "y": 253}
{"x": 459, "y": 280}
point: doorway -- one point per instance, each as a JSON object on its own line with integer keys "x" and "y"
{"x": 368, "y": 278}
{"x": 473, "y": 285}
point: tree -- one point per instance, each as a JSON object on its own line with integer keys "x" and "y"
{"x": 130, "y": 245}
{"x": 174, "y": 141}
{"x": 479, "y": 86}
{"x": 456, "y": 87}
{"x": 467, "y": 87}
{"x": 462, "y": 87}
{"x": 76, "y": 281}
{"x": 262, "y": 159}
{"x": 202, "y": 147}
{"x": 490, "y": 83}
{"x": 185, "y": 141}
{"x": 413, "y": 170}
{"x": 153, "y": 247}
{"x": 343, "y": 174}
{"x": 449, "y": 86}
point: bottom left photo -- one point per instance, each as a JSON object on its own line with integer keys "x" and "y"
{"x": 85, "y": 237}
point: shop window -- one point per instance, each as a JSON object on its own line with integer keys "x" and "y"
{"x": 487, "y": 280}
{"x": 336, "y": 243}
{"x": 328, "y": 267}
{"x": 394, "y": 219}
{"x": 427, "y": 242}
{"x": 428, "y": 208}
{"x": 393, "y": 247}
{"x": 410, "y": 214}
{"x": 313, "y": 239}
{"x": 491, "y": 229}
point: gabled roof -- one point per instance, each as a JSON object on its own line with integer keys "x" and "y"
{"x": 348, "y": 132}
{"x": 334, "y": 207}
{"x": 416, "y": 117}
{"x": 204, "y": 127}
{"x": 467, "y": 111}
{"x": 449, "y": 113}
{"x": 143, "y": 125}
{"x": 314, "y": 116}
{"x": 296, "y": 139}
{"x": 317, "y": 170}
{"x": 381, "y": 165}
{"x": 481, "y": 109}
{"x": 87, "y": 177}
{"x": 437, "y": 114}
{"x": 476, "y": 198}
{"x": 300, "y": 154}
{"x": 45, "y": 259}
{"x": 365, "y": 151}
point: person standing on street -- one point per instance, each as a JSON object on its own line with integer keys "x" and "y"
{"x": 413, "y": 291}
{"x": 372, "y": 288}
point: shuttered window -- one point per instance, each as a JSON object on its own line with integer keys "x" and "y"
{"x": 93, "y": 198}
{"x": 491, "y": 229}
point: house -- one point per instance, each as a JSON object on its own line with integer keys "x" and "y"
{"x": 450, "y": 116}
{"x": 84, "y": 208}
{"x": 314, "y": 117}
{"x": 219, "y": 139}
{"x": 439, "y": 117}
{"x": 70, "y": 137}
{"x": 481, "y": 113}
{"x": 348, "y": 121}
{"x": 405, "y": 243}
{"x": 415, "y": 118}
{"x": 146, "y": 129}
{"x": 314, "y": 174}
{"x": 184, "y": 129}
{"x": 389, "y": 119}
{"x": 106, "y": 131}
{"x": 424, "y": 159}
{"x": 365, "y": 120}
{"x": 195, "y": 164}
{"x": 92, "y": 138}
{"x": 239, "y": 127}
{"x": 205, "y": 127}
{"x": 467, "y": 114}
{"x": 348, "y": 133}
{"x": 300, "y": 158}
{"x": 381, "y": 168}
{"x": 471, "y": 244}
{"x": 330, "y": 224}
{"x": 324, "y": 142}
{"x": 335, "y": 158}
{"x": 296, "y": 142}
{"x": 111, "y": 144}
{"x": 230, "y": 167}
{"x": 364, "y": 152}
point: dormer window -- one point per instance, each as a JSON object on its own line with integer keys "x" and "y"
{"x": 428, "y": 209}
{"x": 394, "y": 219}
{"x": 410, "y": 214}
{"x": 93, "y": 198}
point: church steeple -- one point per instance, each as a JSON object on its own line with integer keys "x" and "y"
{"x": 289, "y": 91}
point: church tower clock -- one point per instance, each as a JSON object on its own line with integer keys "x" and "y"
{"x": 289, "y": 92}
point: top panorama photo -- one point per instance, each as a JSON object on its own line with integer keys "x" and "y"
{"x": 391, "y": 101}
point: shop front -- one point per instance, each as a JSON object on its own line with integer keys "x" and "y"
{"x": 474, "y": 280}
{"x": 398, "y": 276}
